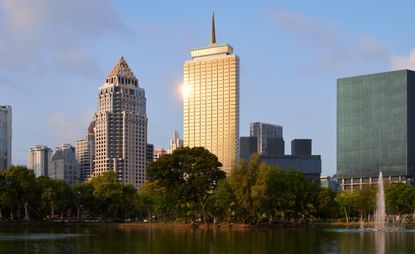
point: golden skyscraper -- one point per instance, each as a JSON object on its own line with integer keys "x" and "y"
{"x": 211, "y": 101}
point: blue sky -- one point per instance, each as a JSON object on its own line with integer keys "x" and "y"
{"x": 55, "y": 54}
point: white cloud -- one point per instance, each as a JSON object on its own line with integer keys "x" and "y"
{"x": 55, "y": 34}
{"x": 404, "y": 62}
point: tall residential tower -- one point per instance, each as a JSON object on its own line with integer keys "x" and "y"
{"x": 38, "y": 160}
{"x": 121, "y": 126}
{"x": 211, "y": 101}
{"x": 5, "y": 137}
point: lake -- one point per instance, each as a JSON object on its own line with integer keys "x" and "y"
{"x": 114, "y": 239}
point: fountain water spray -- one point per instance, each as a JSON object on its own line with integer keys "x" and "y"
{"x": 380, "y": 206}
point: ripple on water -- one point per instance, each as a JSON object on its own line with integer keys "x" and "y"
{"x": 358, "y": 230}
{"x": 35, "y": 236}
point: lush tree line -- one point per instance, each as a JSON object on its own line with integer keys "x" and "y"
{"x": 25, "y": 197}
{"x": 189, "y": 186}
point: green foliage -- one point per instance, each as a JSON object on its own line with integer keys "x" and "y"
{"x": 400, "y": 199}
{"x": 188, "y": 176}
{"x": 347, "y": 201}
{"x": 327, "y": 206}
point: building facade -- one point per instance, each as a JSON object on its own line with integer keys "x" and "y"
{"x": 301, "y": 147}
{"x": 5, "y": 137}
{"x": 158, "y": 152}
{"x": 38, "y": 160}
{"x": 63, "y": 164}
{"x": 85, "y": 153}
{"x": 266, "y": 134}
{"x": 149, "y": 154}
{"x": 376, "y": 128}
{"x": 211, "y": 102}
{"x": 121, "y": 126}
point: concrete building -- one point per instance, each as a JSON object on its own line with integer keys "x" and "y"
{"x": 5, "y": 137}
{"x": 85, "y": 153}
{"x": 121, "y": 126}
{"x": 273, "y": 151}
{"x": 158, "y": 152}
{"x": 301, "y": 147}
{"x": 149, "y": 154}
{"x": 310, "y": 165}
{"x": 376, "y": 128}
{"x": 330, "y": 183}
{"x": 266, "y": 134}
{"x": 175, "y": 143}
{"x": 211, "y": 101}
{"x": 38, "y": 160}
{"x": 63, "y": 164}
{"x": 248, "y": 146}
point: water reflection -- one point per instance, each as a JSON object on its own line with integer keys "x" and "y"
{"x": 112, "y": 239}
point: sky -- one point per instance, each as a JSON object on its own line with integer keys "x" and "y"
{"x": 55, "y": 54}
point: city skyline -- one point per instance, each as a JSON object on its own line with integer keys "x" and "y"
{"x": 42, "y": 83}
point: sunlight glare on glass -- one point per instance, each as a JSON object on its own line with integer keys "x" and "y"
{"x": 186, "y": 90}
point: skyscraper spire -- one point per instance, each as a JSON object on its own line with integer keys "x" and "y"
{"x": 213, "y": 35}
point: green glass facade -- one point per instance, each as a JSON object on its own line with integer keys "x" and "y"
{"x": 376, "y": 125}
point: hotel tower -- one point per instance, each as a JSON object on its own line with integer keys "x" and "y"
{"x": 211, "y": 100}
{"x": 121, "y": 126}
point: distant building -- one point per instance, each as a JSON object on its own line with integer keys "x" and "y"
{"x": 301, "y": 147}
{"x": 376, "y": 128}
{"x": 211, "y": 104}
{"x": 121, "y": 126}
{"x": 175, "y": 143}
{"x": 5, "y": 137}
{"x": 330, "y": 183}
{"x": 85, "y": 153}
{"x": 266, "y": 134}
{"x": 248, "y": 146}
{"x": 158, "y": 152}
{"x": 310, "y": 166}
{"x": 38, "y": 160}
{"x": 272, "y": 143}
{"x": 63, "y": 164}
{"x": 149, "y": 154}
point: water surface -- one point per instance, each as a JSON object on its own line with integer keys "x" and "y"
{"x": 112, "y": 239}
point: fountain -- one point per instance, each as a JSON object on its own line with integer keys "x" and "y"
{"x": 380, "y": 206}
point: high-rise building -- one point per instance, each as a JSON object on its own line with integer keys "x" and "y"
{"x": 5, "y": 137}
{"x": 248, "y": 146}
{"x": 175, "y": 143}
{"x": 268, "y": 133}
{"x": 38, "y": 161}
{"x": 211, "y": 101}
{"x": 376, "y": 128}
{"x": 121, "y": 126}
{"x": 85, "y": 153}
{"x": 63, "y": 164}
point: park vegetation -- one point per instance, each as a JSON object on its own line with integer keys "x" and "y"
{"x": 189, "y": 186}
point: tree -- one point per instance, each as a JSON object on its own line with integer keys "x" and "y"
{"x": 189, "y": 174}
{"x": 83, "y": 198}
{"x": 400, "y": 199}
{"x": 222, "y": 201}
{"x": 347, "y": 201}
{"x": 242, "y": 179}
{"x": 366, "y": 201}
{"x": 327, "y": 207}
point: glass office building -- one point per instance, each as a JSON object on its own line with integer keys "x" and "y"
{"x": 375, "y": 128}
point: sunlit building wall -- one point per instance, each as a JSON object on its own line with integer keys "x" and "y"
{"x": 211, "y": 101}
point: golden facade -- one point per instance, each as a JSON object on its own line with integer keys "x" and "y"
{"x": 211, "y": 103}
